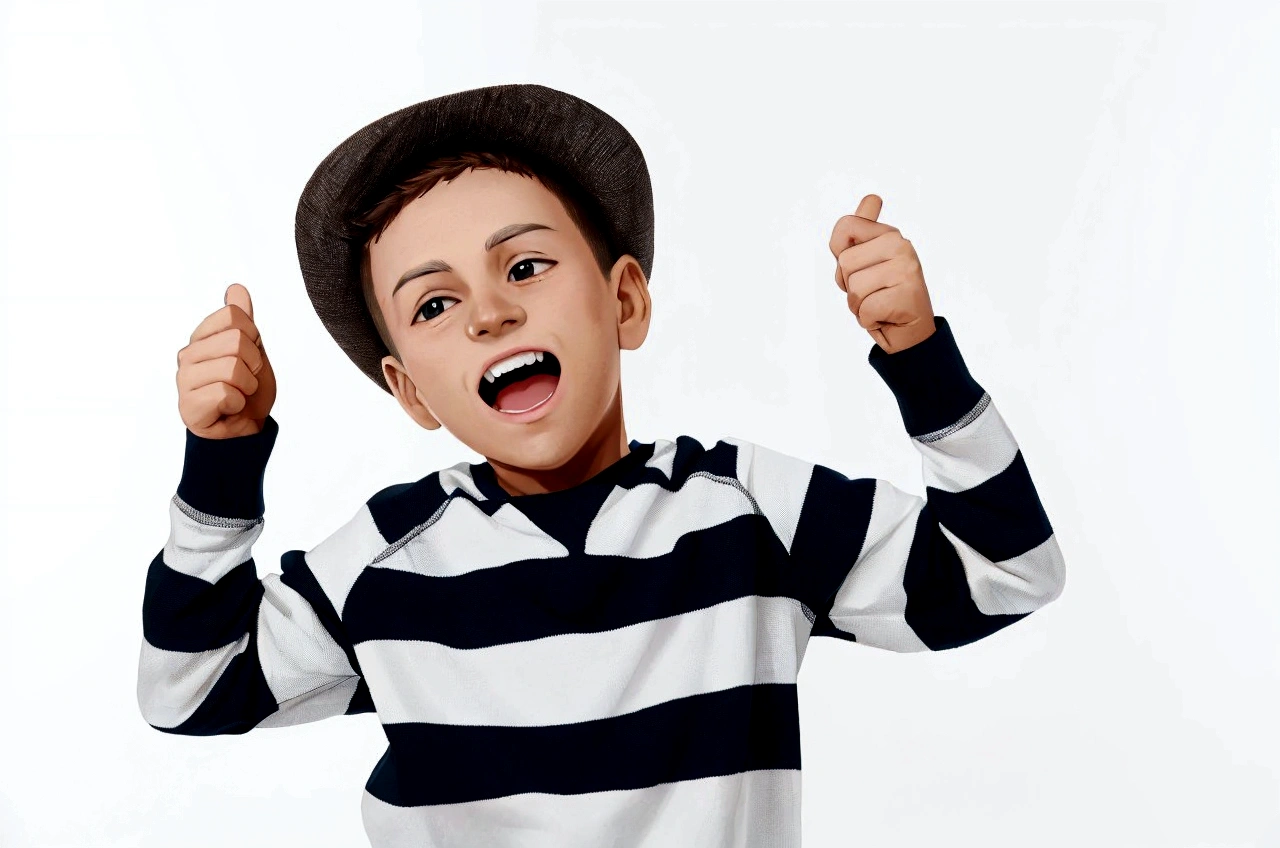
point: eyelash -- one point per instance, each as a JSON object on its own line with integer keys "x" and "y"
{"x": 418, "y": 313}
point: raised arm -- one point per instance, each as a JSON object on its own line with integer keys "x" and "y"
{"x": 892, "y": 570}
{"x": 224, "y": 651}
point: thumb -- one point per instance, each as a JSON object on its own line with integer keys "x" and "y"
{"x": 870, "y": 207}
{"x": 238, "y": 295}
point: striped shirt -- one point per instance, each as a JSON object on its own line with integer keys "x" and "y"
{"x": 613, "y": 663}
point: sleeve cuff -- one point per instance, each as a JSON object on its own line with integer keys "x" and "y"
{"x": 930, "y": 381}
{"x": 223, "y": 477}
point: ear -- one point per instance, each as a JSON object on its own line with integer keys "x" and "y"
{"x": 411, "y": 400}
{"x": 634, "y": 307}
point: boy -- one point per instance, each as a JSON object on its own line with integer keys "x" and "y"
{"x": 583, "y": 640}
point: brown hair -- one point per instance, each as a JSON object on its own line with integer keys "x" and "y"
{"x": 581, "y": 210}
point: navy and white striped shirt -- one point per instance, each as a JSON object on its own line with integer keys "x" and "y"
{"x": 613, "y": 663}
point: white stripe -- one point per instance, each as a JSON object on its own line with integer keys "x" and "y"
{"x": 973, "y": 454}
{"x": 332, "y": 699}
{"x": 465, "y": 539}
{"x": 1016, "y": 585}
{"x": 296, "y": 652}
{"x": 872, "y": 602}
{"x": 664, "y": 457}
{"x": 584, "y": 676}
{"x": 778, "y": 482}
{"x": 459, "y": 477}
{"x": 173, "y": 684}
{"x": 338, "y": 560}
{"x": 754, "y": 809}
{"x": 648, "y": 520}
{"x": 205, "y": 550}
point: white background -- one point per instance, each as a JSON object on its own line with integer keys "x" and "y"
{"x": 1094, "y": 192}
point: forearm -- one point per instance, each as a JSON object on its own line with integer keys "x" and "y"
{"x": 978, "y": 552}
{"x": 198, "y": 670}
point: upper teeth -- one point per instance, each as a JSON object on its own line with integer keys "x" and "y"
{"x": 511, "y": 363}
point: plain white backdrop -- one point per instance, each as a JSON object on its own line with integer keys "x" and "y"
{"x": 1094, "y": 192}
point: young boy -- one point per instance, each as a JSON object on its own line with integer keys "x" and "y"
{"x": 583, "y": 640}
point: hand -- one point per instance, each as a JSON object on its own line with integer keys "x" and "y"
{"x": 879, "y": 271}
{"x": 225, "y": 383}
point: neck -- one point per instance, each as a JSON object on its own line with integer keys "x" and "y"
{"x": 606, "y": 445}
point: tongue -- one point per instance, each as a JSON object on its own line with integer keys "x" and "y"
{"x": 526, "y": 393}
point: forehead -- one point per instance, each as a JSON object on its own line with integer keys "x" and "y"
{"x": 453, "y": 219}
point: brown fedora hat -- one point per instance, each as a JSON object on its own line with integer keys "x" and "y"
{"x": 546, "y": 128}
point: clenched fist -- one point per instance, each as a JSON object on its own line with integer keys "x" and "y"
{"x": 880, "y": 274}
{"x": 225, "y": 383}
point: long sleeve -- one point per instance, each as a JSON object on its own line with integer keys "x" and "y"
{"x": 224, "y": 651}
{"x": 889, "y": 569}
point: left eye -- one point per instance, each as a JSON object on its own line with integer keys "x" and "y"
{"x": 529, "y": 262}
{"x": 434, "y": 307}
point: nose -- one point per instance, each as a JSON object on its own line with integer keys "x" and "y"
{"x": 493, "y": 314}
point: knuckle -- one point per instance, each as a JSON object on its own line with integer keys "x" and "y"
{"x": 228, "y": 366}
{"x": 244, "y": 377}
{"x": 250, "y": 354}
{"x": 232, "y": 400}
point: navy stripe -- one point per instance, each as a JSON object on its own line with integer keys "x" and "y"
{"x": 823, "y": 626}
{"x": 720, "y": 459}
{"x": 929, "y": 380}
{"x": 728, "y": 732}
{"x": 361, "y": 701}
{"x": 237, "y": 702}
{"x": 223, "y": 477}
{"x": 398, "y": 509}
{"x": 185, "y": 613}
{"x": 297, "y": 575}
{"x": 1000, "y": 518}
{"x": 829, "y": 534}
{"x": 579, "y": 594}
{"x": 940, "y": 608}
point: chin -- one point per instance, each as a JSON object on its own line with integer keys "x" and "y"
{"x": 538, "y": 452}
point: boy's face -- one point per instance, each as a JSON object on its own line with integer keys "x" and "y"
{"x": 541, "y": 290}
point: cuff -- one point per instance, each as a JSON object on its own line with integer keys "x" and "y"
{"x": 223, "y": 477}
{"x": 929, "y": 380}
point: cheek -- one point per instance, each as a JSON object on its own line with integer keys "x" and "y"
{"x": 434, "y": 390}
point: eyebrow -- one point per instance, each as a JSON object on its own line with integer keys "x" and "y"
{"x": 432, "y": 265}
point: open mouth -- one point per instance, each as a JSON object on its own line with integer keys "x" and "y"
{"x": 521, "y": 382}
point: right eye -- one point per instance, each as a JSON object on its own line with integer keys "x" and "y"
{"x": 434, "y": 306}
